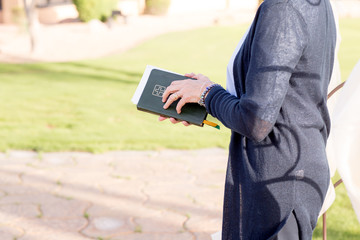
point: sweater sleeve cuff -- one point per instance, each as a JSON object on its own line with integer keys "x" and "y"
{"x": 210, "y": 96}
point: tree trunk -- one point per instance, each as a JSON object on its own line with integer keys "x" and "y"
{"x": 227, "y": 4}
{"x": 29, "y": 7}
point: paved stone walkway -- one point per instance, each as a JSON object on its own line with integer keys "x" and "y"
{"x": 122, "y": 195}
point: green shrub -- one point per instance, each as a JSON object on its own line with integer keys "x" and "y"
{"x": 95, "y": 9}
{"x": 19, "y": 17}
{"x": 157, "y": 7}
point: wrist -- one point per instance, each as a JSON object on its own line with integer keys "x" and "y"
{"x": 205, "y": 93}
{"x": 205, "y": 85}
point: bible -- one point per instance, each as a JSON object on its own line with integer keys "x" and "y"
{"x": 148, "y": 97}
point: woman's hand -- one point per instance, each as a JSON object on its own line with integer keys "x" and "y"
{"x": 188, "y": 90}
{"x": 174, "y": 121}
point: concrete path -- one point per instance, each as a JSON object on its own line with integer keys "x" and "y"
{"x": 124, "y": 195}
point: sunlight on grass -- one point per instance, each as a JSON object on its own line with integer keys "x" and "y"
{"x": 85, "y": 106}
{"x": 342, "y": 223}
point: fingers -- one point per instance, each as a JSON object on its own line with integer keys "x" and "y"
{"x": 190, "y": 75}
{"x": 173, "y": 97}
{"x": 173, "y": 93}
{"x": 188, "y": 90}
{"x": 202, "y": 77}
{"x": 174, "y": 87}
{"x": 162, "y": 118}
{"x": 180, "y": 104}
{"x": 174, "y": 121}
{"x": 169, "y": 90}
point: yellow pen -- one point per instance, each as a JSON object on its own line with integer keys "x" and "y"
{"x": 211, "y": 124}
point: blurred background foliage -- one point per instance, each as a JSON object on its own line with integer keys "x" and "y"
{"x": 95, "y": 9}
{"x": 157, "y": 7}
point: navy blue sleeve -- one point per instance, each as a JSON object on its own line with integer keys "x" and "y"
{"x": 278, "y": 42}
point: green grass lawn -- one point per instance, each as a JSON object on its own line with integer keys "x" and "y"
{"x": 342, "y": 223}
{"x": 85, "y": 105}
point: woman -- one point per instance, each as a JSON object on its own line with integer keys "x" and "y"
{"x": 277, "y": 174}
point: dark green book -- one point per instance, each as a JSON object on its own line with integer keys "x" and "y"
{"x": 150, "y": 100}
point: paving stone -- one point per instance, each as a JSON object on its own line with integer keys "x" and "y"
{"x": 136, "y": 171}
{"x": 128, "y": 194}
{"x": 175, "y": 171}
{"x": 107, "y": 227}
{"x": 80, "y": 177}
{"x": 11, "y": 213}
{"x": 42, "y": 180}
{"x": 108, "y": 224}
{"x": 8, "y": 232}
{"x": 204, "y": 223}
{"x": 63, "y": 224}
{"x": 3, "y": 157}
{"x": 117, "y": 195}
{"x": 46, "y": 232}
{"x": 98, "y": 194}
{"x": 87, "y": 181}
{"x": 33, "y": 197}
{"x": 106, "y": 221}
{"x": 59, "y": 158}
{"x": 171, "y": 196}
{"x": 210, "y": 179}
{"x": 20, "y": 210}
{"x": 78, "y": 156}
{"x": 63, "y": 208}
{"x": 109, "y": 210}
{"x": 202, "y": 236}
{"x": 8, "y": 177}
{"x": 207, "y": 197}
{"x": 123, "y": 155}
{"x": 53, "y": 229}
{"x": 161, "y": 221}
{"x": 2, "y": 193}
{"x": 84, "y": 193}
{"x": 156, "y": 236}
{"x": 19, "y": 156}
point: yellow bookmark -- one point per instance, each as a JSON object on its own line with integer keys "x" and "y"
{"x": 211, "y": 124}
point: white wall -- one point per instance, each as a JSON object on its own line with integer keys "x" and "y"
{"x": 131, "y": 7}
